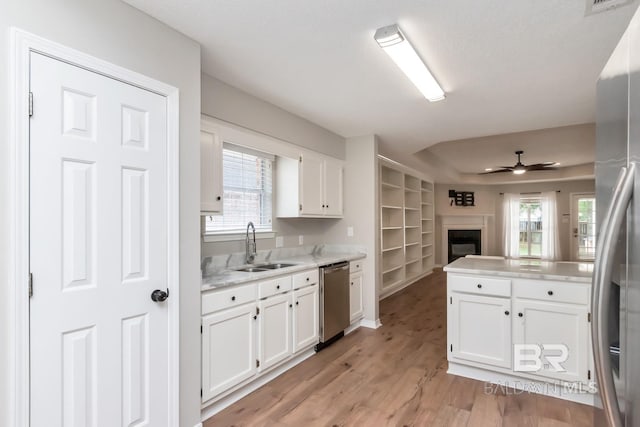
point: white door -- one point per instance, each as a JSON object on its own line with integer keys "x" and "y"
{"x": 311, "y": 186}
{"x": 228, "y": 349}
{"x": 98, "y": 218}
{"x": 305, "y": 317}
{"x": 481, "y": 329}
{"x": 583, "y": 227}
{"x": 275, "y": 330}
{"x": 543, "y": 323}
{"x": 333, "y": 188}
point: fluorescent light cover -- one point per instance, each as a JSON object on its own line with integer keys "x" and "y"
{"x": 396, "y": 45}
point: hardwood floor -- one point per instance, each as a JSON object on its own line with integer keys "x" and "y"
{"x": 394, "y": 376}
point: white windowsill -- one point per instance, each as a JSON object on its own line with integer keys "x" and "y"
{"x": 234, "y": 236}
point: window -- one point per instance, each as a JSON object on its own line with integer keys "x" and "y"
{"x": 530, "y": 226}
{"x": 247, "y": 188}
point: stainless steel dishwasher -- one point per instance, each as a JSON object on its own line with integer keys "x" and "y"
{"x": 334, "y": 302}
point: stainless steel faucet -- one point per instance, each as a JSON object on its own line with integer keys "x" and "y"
{"x": 251, "y": 246}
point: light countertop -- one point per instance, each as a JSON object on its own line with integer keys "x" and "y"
{"x": 230, "y": 277}
{"x": 524, "y": 268}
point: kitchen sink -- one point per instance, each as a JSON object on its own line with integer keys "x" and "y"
{"x": 276, "y": 266}
{"x": 252, "y": 269}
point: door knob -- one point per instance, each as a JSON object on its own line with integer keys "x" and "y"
{"x": 159, "y": 296}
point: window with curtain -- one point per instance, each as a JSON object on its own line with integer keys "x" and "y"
{"x": 531, "y": 226}
{"x": 247, "y": 186}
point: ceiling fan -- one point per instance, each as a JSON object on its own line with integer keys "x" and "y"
{"x": 520, "y": 168}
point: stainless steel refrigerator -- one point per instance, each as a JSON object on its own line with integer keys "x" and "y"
{"x": 616, "y": 282}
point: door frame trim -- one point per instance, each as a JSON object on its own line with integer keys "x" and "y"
{"x": 572, "y": 244}
{"x": 22, "y": 44}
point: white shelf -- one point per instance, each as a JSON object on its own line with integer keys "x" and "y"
{"x": 392, "y": 228}
{"x": 397, "y": 267}
{"x": 411, "y": 226}
{"x": 411, "y": 209}
{"x": 395, "y": 248}
{"x": 427, "y": 232}
{"x": 390, "y": 207}
{"x": 389, "y": 185}
{"x": 413, "y": 261}
{"x": 412, "y": 244}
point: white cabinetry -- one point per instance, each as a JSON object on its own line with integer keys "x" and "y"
{"x": 356, "y": 310}
{"x": 233, "y": 330}
{"x": 275, "y": 330}
{"x": 251, "y": 328}
{"x": 480, "y": 329}
{"x": 309, "y": 186}
{"x": 211, "y": 190}
{"x": 305, "y": 317}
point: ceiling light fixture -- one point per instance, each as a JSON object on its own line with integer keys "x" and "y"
{"x": 488, "y": 169}
{"x": 395, "y": 44}
{"x": 519, "y": 169}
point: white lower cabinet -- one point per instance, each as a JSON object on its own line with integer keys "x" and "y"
{"x": 355, "y": 296}
{"x": 480, "y": 329}
{"x": 305, "y": 317}
{"x": 233, "y": 330}
{"x": 560, "y": 331}
{"x": 251, "y": 328}
{"x": 275, "y": 330}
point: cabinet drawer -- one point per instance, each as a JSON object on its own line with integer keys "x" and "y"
{"x": 273, "y": 287}
{"x": 305, "y": 278}
{"x": 226, "y": 298}
{"x": 552, "y": 291}
{"x": 480, "y": 285}
{"x": 355, "y": 266}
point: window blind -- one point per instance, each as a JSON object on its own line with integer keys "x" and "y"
{"x": 247, "y": 184}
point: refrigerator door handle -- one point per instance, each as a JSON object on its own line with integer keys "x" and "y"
{"x": 601, "y": 292}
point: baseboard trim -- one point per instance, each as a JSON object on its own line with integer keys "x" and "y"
{"x": 371, "y": 324}
{"x": 228, "y": 400}
{"x": 525, "y": 385}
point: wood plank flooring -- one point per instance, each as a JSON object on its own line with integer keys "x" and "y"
{"x": 394, "y": 376}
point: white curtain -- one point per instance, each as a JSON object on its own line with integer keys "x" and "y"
{"x": 550, "y": 249}
{"x": 511, "y": 220}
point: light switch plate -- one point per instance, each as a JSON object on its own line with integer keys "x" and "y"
{"x": 349, "y": 231}
{"x": 301, "y": 239}
{"x": 279, "y": 241}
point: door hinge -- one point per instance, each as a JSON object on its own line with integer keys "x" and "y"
{"x": 257, "y": 311}
{"x": 30, "y": 104}
{"x": 588, "y": 317}
{"x": 451, "y": 347}
{"x": 589, "y": 374}
{"x": 300, "y": 208}
{"x": 200, "y": 392}
{"x": 201, "y": 329}
{"x": 450, "y": 300}
{"x": 300, "y": 159}
{"x": 257, "y": 363}
{"x": 30, "y": 285}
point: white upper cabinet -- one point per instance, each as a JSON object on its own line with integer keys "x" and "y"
{"x": 309, "y": 186}
{"x": 210, "y": 173}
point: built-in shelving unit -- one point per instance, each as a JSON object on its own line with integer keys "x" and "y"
{"x": 406, "y": 227}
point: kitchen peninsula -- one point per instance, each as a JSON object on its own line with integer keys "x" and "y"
{"x": 522, "y": 324}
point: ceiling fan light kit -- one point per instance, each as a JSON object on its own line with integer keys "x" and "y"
{"x": 395, "y": 44}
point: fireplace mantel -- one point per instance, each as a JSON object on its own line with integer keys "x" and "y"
{"x": 463, "y": 222}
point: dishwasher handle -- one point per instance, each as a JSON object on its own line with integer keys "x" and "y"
{"x": 335, "y": 267}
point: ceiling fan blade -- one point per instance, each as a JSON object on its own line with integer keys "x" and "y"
{"x": 541, "y": 166}
{"x": 496, "y": 171}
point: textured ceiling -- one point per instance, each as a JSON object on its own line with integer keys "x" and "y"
{"x": 507, "y": 66}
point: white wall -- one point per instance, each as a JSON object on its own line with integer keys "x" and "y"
{"x": 489, "y": 202}
{"x": 115, "y": 32}
{"x": 232, "y": 105}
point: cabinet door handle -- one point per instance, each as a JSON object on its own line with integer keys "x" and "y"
{"x": 520, "y": 314}
{"x": 278, "y": 287}
{"x": 297, "y": 302}
{"x": 550, "y": 292}
{"x": 351, "y": 283}
{"x": 479, "y": 286}
{"x": 506, "y": 312}
{"x": 290, "y": 305}
{"x": 307, "y": 279}
{"x": 233, "y": 298}
{"x": 218, "y": 198}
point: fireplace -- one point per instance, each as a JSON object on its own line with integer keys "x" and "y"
{"x": 463, "y": 242}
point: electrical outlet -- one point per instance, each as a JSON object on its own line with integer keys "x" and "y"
{"x": 301, "y": 240}
{"x": 349, "y": 231}
{"x": 279, "y": 241}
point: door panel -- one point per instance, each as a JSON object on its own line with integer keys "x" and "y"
{"x": 275, "y": 330}
{"x": 333, "y": 188}
{"x": 481, "y": 329}
{"x": 583, "y": 227}
{"x": 305, "y": 317}
{"x": 311, "y": 186}
{"x": 98, "y": 154}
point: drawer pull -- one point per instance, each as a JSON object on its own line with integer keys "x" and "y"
{"x": 550, "y": 292}
{"x": 233, "y": 298}
{"x": 290, "y": 305}
{"x": 351, "y": 283}
{"x": 520, "y": 314}
{"x": 278, "y": 287}
{"x": 506, "y": 312}
{"x": 307, "y": 279}
{"x": 479, "y": 286}
{"x": 297, "y": 302}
